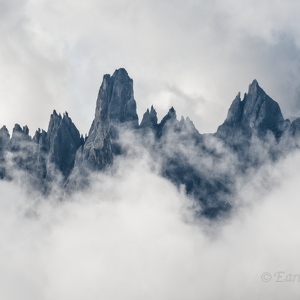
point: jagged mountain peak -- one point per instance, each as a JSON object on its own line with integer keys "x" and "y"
{"x": 121, "y": 73}
{"x": 149, "y": 119}
{"x": 171, "y": 115}
{"x": 253, "y": 87}
{"x": 172, "y": 111}
{"x": 257, "y": 112}
{"x": 62, "y": 141}
{"x": 255, "y": 97}
{"x": 25, "y": 130}
{"x": 115, "y": 107}
{"x": 38, "y": 134}
{"x": 17, "y": 128}
{"x": 115, "y": 102}
{"x": 4, "y": 132}
{"x": 63, "y": 149}
{"x": 20, "y": 133}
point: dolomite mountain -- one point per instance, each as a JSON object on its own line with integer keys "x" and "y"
{"x": 205, "y": 164}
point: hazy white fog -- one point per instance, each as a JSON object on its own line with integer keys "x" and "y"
{"x": 131, "y": 235}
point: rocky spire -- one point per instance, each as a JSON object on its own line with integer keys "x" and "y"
{"x": 18, "y": 131}
{"x": 149, "y": 119}
{"x": 171, "y": 115}
{"x": 186, "y": 125}
{"x": 294, "y": 129}
{"x": 168, "y": 119}
{"x": 63, "y": 140}
{"x": 256, "y": 113}
{"x": 115, "y": 107}
{"x": 4, "y": 142}
{"x": 115, "y": 102}
{"x": 19, "y": 136}
{"x": 4, "y": 134}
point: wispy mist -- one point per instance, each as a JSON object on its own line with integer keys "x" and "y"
{"x": 132, "y": 234}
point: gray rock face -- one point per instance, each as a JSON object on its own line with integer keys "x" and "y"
{"x": 41, "y": 156}
{"x": 183, "y": 156}
{"x": 291, "y": 138}
{"x": 294, "y": 129}
{"x": 4, "y": 138}
{"x": 63, "y": 140}
{"x": 115, "y": 101}
{"x": 23, "y": 153}
{"x": 256, "y": 114}
{"x": 4, "y": 142}
{"x": 115, "y": 107}
{"x": 44, "y": 154}
{"x": 18, "y": 137}
{"x": 149, "y": 119}
{"x": 168, "y": 120}
{"x": 40, "y": 138}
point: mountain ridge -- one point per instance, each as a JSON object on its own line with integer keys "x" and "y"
{"x": 182, "y": 150}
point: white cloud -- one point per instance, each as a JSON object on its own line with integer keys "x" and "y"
{"x": 53, "y": 55}
{"x": 131, "y": 235}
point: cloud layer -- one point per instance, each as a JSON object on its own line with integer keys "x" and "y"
{"x": 132, "y": 235}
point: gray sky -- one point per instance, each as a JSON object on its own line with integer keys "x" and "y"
{"x": 132, "y": 236}
{"x": 194, "y": 55}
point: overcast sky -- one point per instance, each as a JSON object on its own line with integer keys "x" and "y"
{"x": 132, "y": 236}
{"x": 195, "y": 55}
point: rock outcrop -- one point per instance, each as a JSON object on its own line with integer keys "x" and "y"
{"x": 115, "y": 108}
{"x": 63, "y": 140}
{"x": 256, "y": 114}
{"x": 4, "y": 142}
{"x": 149, "y": 120}
{"x": 205, "y": 165}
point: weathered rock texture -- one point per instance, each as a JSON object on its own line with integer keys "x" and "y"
{"x": 257, "y": 114}
{"x": 115, "y": 107}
